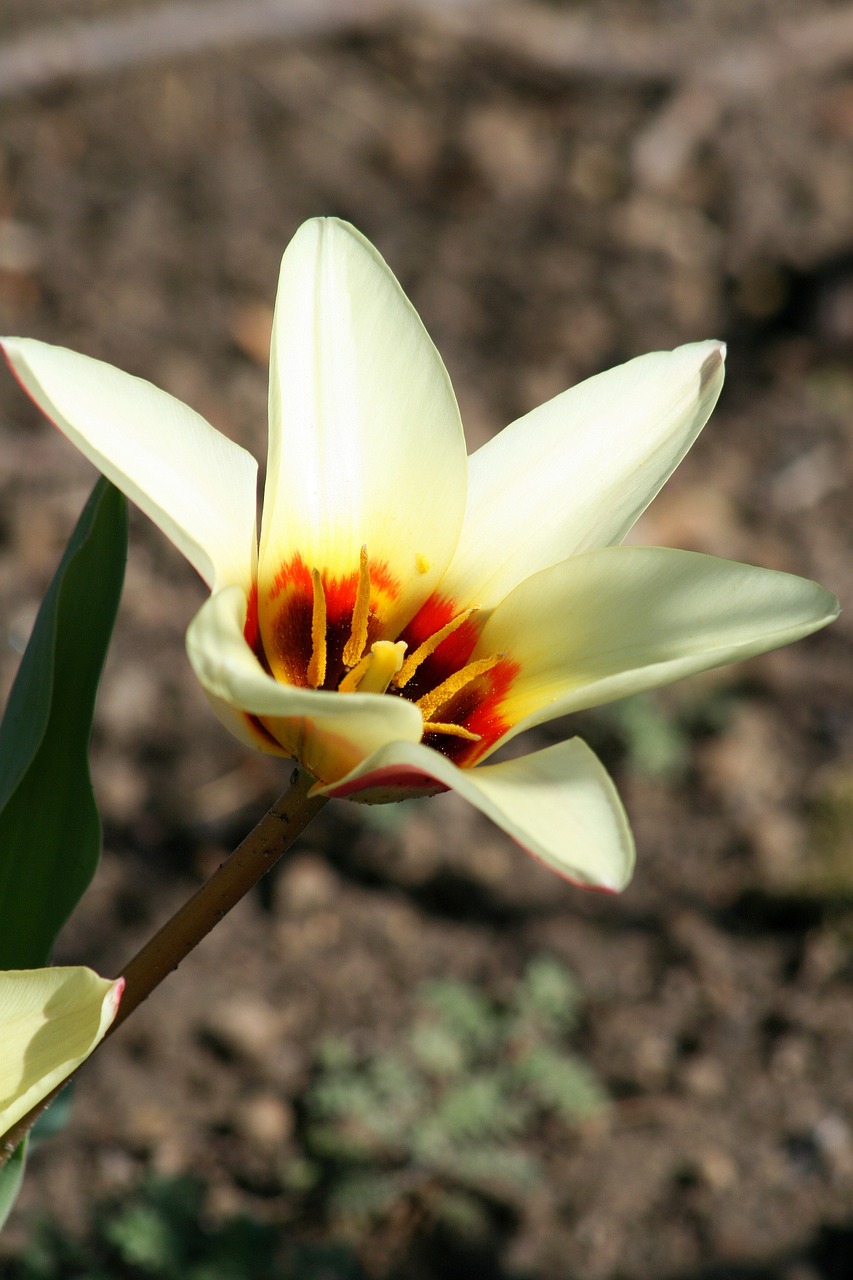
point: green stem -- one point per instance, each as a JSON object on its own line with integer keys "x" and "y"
{"x": 241, "y": 871}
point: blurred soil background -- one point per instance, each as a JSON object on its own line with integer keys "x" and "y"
{"x": 558, "y": 188}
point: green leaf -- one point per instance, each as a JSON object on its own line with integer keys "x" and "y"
{"x": 50, "y": 831}
{"x": 11, "y": 1177}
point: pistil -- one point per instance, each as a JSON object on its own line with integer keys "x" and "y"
{"x": 376, "y": 670}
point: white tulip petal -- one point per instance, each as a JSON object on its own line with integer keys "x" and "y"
{"x": 618, "y": 620}
{"x": 329, "y": 732}
{"x": 560, "y": 804}
{"x": 192, "y": 481}
{"x": 576, "y": 472}
{"x": 366, "y": 445}
{"x": 50, "y": 1021}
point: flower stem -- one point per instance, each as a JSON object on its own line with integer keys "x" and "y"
{"x": 248, "y": 864}
{"x": 241, "y": 871}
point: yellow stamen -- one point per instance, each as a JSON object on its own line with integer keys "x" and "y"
{"x": 429, "y": 646}
{"x": 452, "y": 731}
{"x": 442, "y": 693}
{"x": 317, "y": 663}
{"x": 376, "y": 670}
{"x": 354, "y": 647}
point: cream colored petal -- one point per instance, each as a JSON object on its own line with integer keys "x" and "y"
{"x": 618, "y": 620}
{"x": 328, "y": 732}
{"x": 559, "y": 803}
{"x": 192, "y": 481}
{"x": 578, "y": 471}
{"x": 50, "y": 1021}
{"x": 366, "y": 446}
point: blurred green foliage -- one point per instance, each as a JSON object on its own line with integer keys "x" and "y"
{"x": 827, "y": 872}
{"x": 159, "y": 1233}
{"x": 656, "y": 730}
{"x": 450, "y": 1108}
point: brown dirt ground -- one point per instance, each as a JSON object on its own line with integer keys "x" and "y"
{"x": 141, "y": 220}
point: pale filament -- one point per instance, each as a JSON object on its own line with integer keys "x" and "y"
{"x": 442, "y": 693}
{"x": 317, "y": 663}
{"x": 354, "y": 647}
{"x": 452, "y": 730}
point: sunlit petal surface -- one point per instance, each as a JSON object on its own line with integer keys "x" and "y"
{"x": 50, "y": 1021}
{"x": 578, "y": 471}
{"x": 615, "y": 621}
{"x": 558, "y": 803}
{"x": 192, "y": 481}
{"x": 366, "y": 447}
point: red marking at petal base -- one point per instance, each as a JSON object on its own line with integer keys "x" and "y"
{"x": 251, "y": 630}
{"x": 294, "y": 574}
{"x": 289, "y": 635}
{"x": 433, "y": 614}
{"x": 262, "y": 733}
{"x": 450, "y": 656}
{"x": 478, "y": 708}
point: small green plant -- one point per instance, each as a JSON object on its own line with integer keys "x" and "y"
{"x": 452, "y": 1109}
{"x": 159, "y": 1233}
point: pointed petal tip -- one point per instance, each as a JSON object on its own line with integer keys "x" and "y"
{"x": 52, "y": 1020}
{"x": 711, "y": 366}
{"x": 559, "y": 803}
{"x": 310, "y": 235}
{"x": 115, "y": 995}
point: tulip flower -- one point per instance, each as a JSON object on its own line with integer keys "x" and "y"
{"x": 52, "y": 1019}
{"x": 408, "y": 611}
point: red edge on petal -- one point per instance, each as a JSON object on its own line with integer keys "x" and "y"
{"x": 117, "y": 993}
{"x": 251, "y": 629}
{"x": 564, "y": 875}
{"x": 411, "y": 782}
{"x": 27, "y": 392}
{"x": 393, "y": 777}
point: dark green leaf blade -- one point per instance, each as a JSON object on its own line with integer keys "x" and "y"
{"x": 50, "y": 831}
